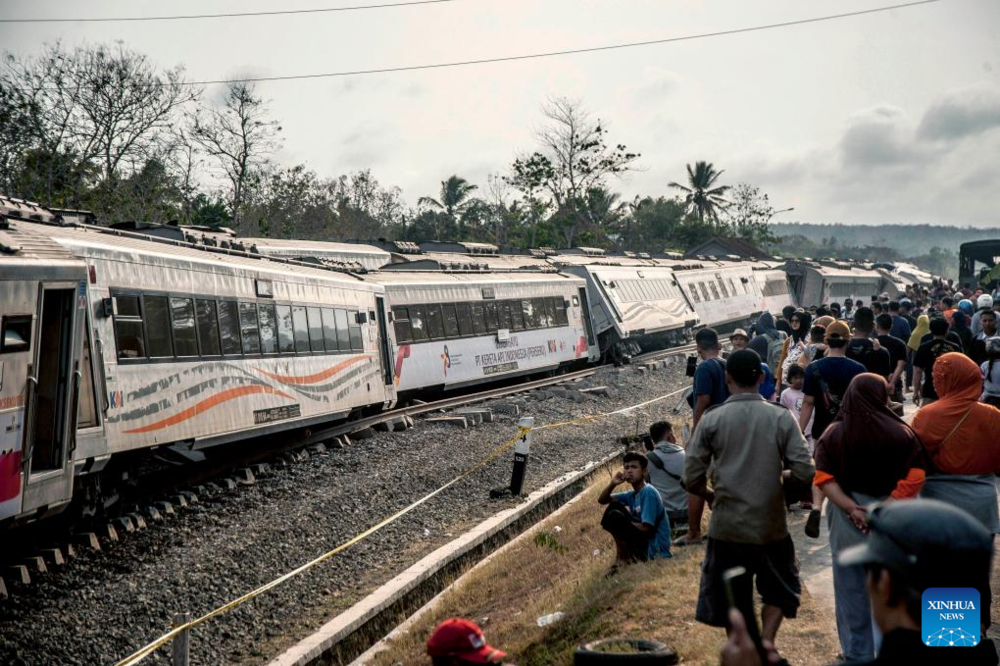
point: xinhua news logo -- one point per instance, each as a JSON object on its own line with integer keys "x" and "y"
{"x": 950, "y": 617}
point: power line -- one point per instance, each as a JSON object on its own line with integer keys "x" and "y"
{"x": 551, "y": 54}
{"x": 188, "y": 17}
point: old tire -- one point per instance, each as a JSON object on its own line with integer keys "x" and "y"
{"x": 638, "y": 651}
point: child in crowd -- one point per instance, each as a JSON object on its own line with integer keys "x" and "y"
{"x": 792, "y": 398}
{"x": 991, "y": 373}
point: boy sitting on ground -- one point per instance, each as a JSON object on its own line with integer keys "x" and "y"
{"x": 635, "y": 518}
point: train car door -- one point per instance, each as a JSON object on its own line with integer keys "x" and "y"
{"x": 587, "y": 323}
{"x": 384, "y": 348}
{"x": 54, "y": 381}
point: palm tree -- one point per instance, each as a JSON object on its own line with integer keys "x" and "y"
{"x": 701, "y": 196}
{"x": 455, "y": 197}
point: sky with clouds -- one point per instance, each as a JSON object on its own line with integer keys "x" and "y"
{"x": 883, "y": 118}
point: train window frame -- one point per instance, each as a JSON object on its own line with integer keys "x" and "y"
{"x": 722, "y": 287}
{"x": 418, "y": 314}
{"x": 128, "y": 319}
{"x": 449, "y": 314}
{"x": 272, "y": 309}
{"x": 705, "y": 296}
{"x": 531, "y": 316}
{"x": 464, "y": 313}
{"x": 212, "y": 317}
{"x": 516, "y": 315}
{"x": 401, "y": 324}
{"x": 435, "y": 322}
{"x": 354, "y": 332}
{"x": 503, "y": 315}
{"x": 235, "y": 342}
{"x": 562, "y": 312}
{"x": 290, "y": 333}
{"x": 12, "y": 323}
{"x": 317, "y": 344}
{"x": 249, "y": 327}
{"x": 301, "y": 334}
{"x": 478, "y": 311}
{"x": 173, "y": 328}
{"x": 492, "y": 317}
{"x": 693, "y": 290}
{"x": 331, "y": 341}
{"x": 343, "y": 322}
{"x": 164, "y": 326}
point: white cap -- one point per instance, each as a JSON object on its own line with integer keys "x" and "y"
{"x": 985, "y": 301}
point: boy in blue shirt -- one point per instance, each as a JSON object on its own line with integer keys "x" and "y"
{"x": 635, "y": 518}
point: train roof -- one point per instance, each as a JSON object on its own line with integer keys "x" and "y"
{"x": 76, "y": 237}
{"x": 390, "y": 278}
{"x": 834, "y": 268}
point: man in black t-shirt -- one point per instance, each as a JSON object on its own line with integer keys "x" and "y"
{"x": 863, "y": 350}
{"x": 923, "y": 361}
{"x": 827, "y": 380}
{"x": 897, "y": 355}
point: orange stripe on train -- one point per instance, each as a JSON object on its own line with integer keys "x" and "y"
{"x": 312, "y": 379}
{"x": 207, "y": 404}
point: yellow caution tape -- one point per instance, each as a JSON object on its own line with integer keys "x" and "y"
{"x": 149, "y": 649}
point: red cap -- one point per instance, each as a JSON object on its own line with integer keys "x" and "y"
{"x": 463, "y": 639}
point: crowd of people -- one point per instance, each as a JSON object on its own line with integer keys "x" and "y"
{"x": 805, "y": 411}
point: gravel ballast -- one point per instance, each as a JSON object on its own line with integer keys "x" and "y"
{"x": 102, "y": 606}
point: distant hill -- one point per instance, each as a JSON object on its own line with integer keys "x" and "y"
{"x": 909, "y": 240}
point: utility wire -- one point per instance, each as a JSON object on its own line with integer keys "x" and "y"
{"x": 551, "y": 54}
{"x": 190, "y": 17}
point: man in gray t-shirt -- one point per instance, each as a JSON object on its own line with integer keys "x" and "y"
{"x": 666, "y": 467}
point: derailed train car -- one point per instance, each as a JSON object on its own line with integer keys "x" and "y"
{"x": 815, "y": 282}
{"x": 177, "y": 347}
{"x": 459, "y": 328}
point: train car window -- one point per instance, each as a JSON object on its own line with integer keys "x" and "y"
{"x": 693, "y": 290}
{"x": 157, "y": 318}
{"x": 248, "y": 328}
{"x": 722, "y": 287}
{"x": 450, "y": 315}
{"x": 343, "y": 332}
{"x": 417, "y": 319}
{"x": 464, "y": 311}
{"x": 530, "y": 314}
{"x": 15, "y": 334}
{"x": 704, "y": 292}
{"x": 538, "y": 310}
{"x": 560, "y": 307}
{"x": 286, "y": 331}
{"x": 492, "y": 319}
{"x": 715, "y": 290}
{"x": 129, "y": 336}
{"x": 516, "y": 316}
{"x": 504, "y": 314}
{"x": 127, "y": 305}
{"x": 182, "y": 321}
{"x": 401, "y": 321}
{"x": 732, "y": 287}
{"x": 268, "y": 328}
{"x": 315, "y": 329}
{"x": 357, "y": 341}
{"x": 301, "y": 325}
{"x": 208, "y": 327}
{"x": 550, "y": 310}
{"x": 478, "y": 319}
{"x": 229, "y": 328}
{"x": 435, "y": 322}
{"x": 330, "y": 330}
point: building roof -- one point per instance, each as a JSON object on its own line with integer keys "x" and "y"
{"x": 732, "y": 246}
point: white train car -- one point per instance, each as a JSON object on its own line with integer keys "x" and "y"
{"x": 725, "y": 294}
{"x": 771, "y": 280}
{"x": 463, "y": 328}
{"x": 636, "y": 304}
{"x": 818, "y": 282}
{"x": 43, "y": 306}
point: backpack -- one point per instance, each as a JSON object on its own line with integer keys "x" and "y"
{"x": 774, "y": 348}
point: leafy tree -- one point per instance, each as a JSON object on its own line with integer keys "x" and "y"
{"x": 702, "y": 196}
{"x": 574, "y": 159}
{"x": 209, "y": 212}
{"x": 749, "y": 214}
{"x": 455, "y": 198}
{"x": 239, "y": 137}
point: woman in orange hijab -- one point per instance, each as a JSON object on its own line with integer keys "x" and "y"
{"x": 961, "y": 434}
{"x": 962, "y": 439}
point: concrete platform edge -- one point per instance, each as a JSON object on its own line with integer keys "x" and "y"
{"x": 348, "y": 635}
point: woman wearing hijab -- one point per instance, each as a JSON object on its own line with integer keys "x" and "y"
{"x": 962, "y": 439}
{"x": 922, "y": 328}
{"x": 767, "y": 334}
{"x": 795, "y": 345}
{"x": 866, "y": 455}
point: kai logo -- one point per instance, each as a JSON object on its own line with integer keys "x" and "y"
{"x": 950, "y": 617}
